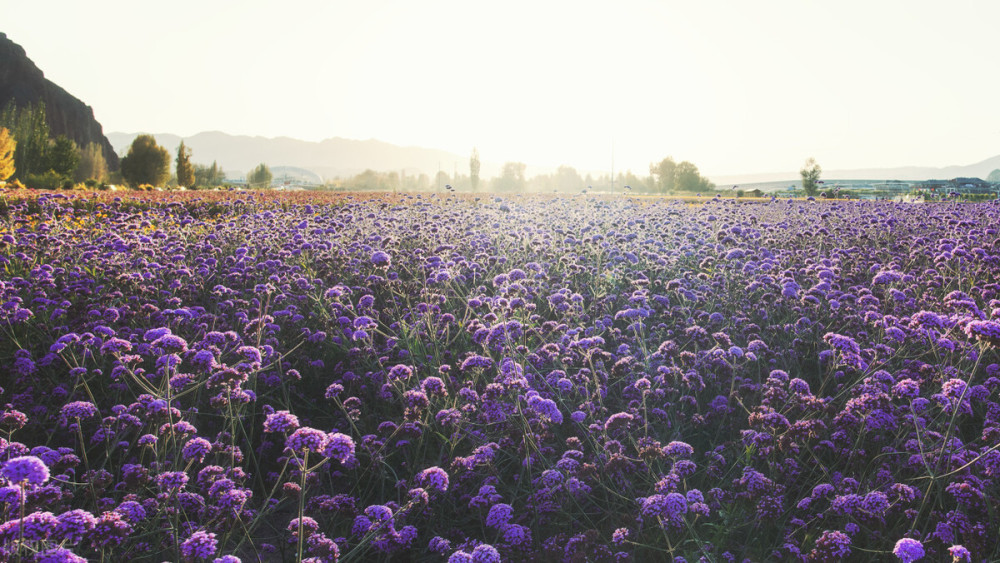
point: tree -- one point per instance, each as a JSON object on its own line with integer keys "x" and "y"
{"x": 441, "y": 179}
{"x": 30, "y": 128}
{"x": 208, "y": 175}
{"x": 7, "y": 146}
{"x": 635, "y": 183}
{"x": 810, "y": 177}
{"x": 663, "y": 175}
{"x": 474, "y": 167}
{"x": 511, "y": 178}
{"x": 260, "y": 177}
{"x": 146, "y": 162}
{"x": 92, "y": 164}
{"x": 568, "y": 180}
{"x": 64, "y": 157}
{"x": 185, "y": 171}
{"x": 688, "y": 179}
{"x": 994, "y": 177}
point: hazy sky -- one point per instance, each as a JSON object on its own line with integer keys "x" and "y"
{"x": 733, "y": 86}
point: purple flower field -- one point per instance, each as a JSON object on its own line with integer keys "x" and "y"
{"x": 242, "y": 377}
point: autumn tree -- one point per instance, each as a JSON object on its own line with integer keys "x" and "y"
{"x": 260, "y": 177}
{"x": 474, "y": 167}
{"x": 7, "y": 146}
{"x": 92, "y": 164}
{"x": 146, "y": 162}
{"x": 185, "y": 170}
{"x": 810, "y": 177}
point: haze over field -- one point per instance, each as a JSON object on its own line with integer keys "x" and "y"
{"x": 734, "y": 87}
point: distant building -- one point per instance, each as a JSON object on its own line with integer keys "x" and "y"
{"x": 931, "y": 186}
{"x": 970, "y": 186}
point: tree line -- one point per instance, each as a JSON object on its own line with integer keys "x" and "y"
{"x": 665, "y": 177}
{"x": 40, "y": 161}
{"x": 32, "y": 157}
{"x": 29, "y": 154}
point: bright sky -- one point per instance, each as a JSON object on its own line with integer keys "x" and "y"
{"x": 733, "y": 86}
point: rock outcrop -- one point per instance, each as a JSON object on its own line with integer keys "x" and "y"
{"x": 24, "y": 83}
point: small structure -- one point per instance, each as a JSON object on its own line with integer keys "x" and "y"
{"x": 970, "y": 186}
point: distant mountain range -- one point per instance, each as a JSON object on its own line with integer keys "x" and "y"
{"x": 336, "y": 157}
{"x": 905, "y": 173}
{"x": 339, "y": 157}
{"x": 22, "y": 83}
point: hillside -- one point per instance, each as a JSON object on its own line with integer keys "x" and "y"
{"x": 23, "y": 83}
{"x": 330, "y": 158}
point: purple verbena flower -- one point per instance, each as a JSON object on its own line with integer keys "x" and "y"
{"x": 28, "y": 469}
{"x": 908, "y": 550}
{"x": 199, "y": 545}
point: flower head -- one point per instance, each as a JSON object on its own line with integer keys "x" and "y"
{"x": 281, "y": 421}
{"x": 339, "y": 447}
{"x": 485, "y": 553}
{"x": 307, "y": 439}
{"x": 908, "y": 550}
{"x": 26, "y": 469}
{"x": 79, "y": 409}
{"x": 199, "y": 545}
{"x": 959, "y": 554}
{"x": 499, "y": 515}
{"x": 433, "y": 478}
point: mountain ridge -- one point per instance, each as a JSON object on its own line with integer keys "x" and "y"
{"x": 329, "y": 158}
{"x": 979, "y": 169}
{"x": 342, "y": 157}
{"x": 23, "y": 83}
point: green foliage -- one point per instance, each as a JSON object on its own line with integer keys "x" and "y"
{"x": 688, "y": 179}
{"x": 29, "y": 127}
{"x": 208, "y": 175}
{"x": 146, "y": 162}
{"x": 7, "y": 148}
{"x": 49, "y": 180}
{"x": 511, "y": 178}
{"x": 994, "y": 177}
{"x": 810, "y": 177}
{"x": 64, "y": 157}
{"x": 564, "y": 180}
{"x": 260, "y": 177}
{"x": 185, "y": 170}
{"x": 663, "y": 175}
{"x": 92, "y": 164}
{"x": 668, "y": 176}
{"x": 474, "y": 166}
{"x": 637, "y": 184}
{"x": 374, "y": 181}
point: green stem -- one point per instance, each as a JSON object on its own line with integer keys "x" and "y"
{"x": 303, "y": 471}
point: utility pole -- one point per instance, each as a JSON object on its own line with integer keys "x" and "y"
{"x": 612, "y": 165}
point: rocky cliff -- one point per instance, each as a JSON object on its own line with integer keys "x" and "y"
{"x": 23, "y": 82}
